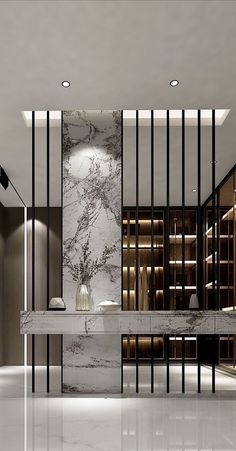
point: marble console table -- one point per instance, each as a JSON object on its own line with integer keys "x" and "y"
{"x": 128, "y": 322}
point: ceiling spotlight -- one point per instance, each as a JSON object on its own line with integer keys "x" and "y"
{"x": 174, "y": 83}
{"x": 213, "y": 162}
{"x": 194, "y": 190}
{"x": 65, "y": 84}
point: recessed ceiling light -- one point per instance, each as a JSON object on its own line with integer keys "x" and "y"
{"x": 65, "y": 84}
{"x": 174, "y": 83}
{"x": 194, "y": 190}
{"x": 215, "y": 161}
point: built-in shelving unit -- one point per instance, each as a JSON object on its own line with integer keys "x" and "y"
{"x": 220, "y": 259}
{"x": 140, "y": 246}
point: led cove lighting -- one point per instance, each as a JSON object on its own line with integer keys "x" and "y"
{"x": 65, "y": 84}
{"x": 174, "y": 83}
{"x": 160, "y": 117}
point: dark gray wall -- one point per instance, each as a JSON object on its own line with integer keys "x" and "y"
{"x": 12, "y": 281}
{"x": 13, "y": 285}
{"x": 41, "y": 276}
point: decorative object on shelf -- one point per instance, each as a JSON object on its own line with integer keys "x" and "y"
{"x": 108, "y": 306}
{"x": 57, "y": 304}
{"x": 87, "y": 268}
{"x": 83, "y": 299}
{"x": 193, "y": 303}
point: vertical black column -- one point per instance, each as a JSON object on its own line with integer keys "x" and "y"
{"x": 62, "y": 241}
{"x": 137, "y": 361}
{"x": 153, "y": 285}
{"x": 48, "y": 243}
{"x": 137, "y": 217}
{"x": 122, "y": 244}
{"x": 198, "y": 365}
{"x": 183, "y": 364}
{"x": 183, "y": 206}
{"x": 218, "y": 249}
{"x": 199, "y": 243}
{"x": 167, "y": 363}
{"x": 153, "y": 288}
{"x": 33, "y": 245}
{"x": 122, "y": 196}
{"x": 199, "y": 217}
{"x": 214, "y": 272}
{"x": 152, "y": 364}
{"x": 167, "y": 216}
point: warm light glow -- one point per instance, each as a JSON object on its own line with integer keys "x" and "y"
{"x": 41, "y": 118}
{"x": 228, "y": 309}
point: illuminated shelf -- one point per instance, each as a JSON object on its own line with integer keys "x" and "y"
{"x": 221, "y": 287}
{"x": 141, "y": 221}
{"x": 179, "y": 237}
{"x": 125, "y": 268}
{"x": 222, "y": 262}
{"x": 179, "y": 262}
{"x": 133, "y": 291}
{"x": 140, "y": 246}
{"x": 229, "y": 215}
{"x": 186, "y": 287}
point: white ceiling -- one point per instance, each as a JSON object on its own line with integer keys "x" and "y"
{"x": 117, "y": 55}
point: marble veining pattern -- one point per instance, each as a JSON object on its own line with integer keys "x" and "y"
{"x": 163, "y": 322}
{"x": 91, "y": 242}
{"x": 92, "y": 205}
{"x": 91, "y": 364}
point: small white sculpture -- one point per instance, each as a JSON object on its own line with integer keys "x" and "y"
{"x": 56, "y": 303}
{"x": 193, "y": 303}
{"x": 108, "y": 306}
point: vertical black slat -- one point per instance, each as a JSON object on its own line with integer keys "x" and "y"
{"x": 218, "y": 250}
{"x": 122, "y": 246}
{"x": 152, "y": 285}
{"x": 128, "y": 260}
{"x": 137, "y": 361}
{"x": 152, "y": 364}
{"x": 122, "y": 213}
{"x": 199, "y": 217}
{"x": 198, "y": 366}
{"x": 167, "y": 216}
{"x": 48, "y": 244}
{"x": 33, "y": 244}
{"x": 183, "y": 206}
{"x": 122, "y": 368}
{"x": 183, "y": 364}
{"x": 62, "y": 149}
{"x": 213, "y": 213}
{"x": 167, "y": 363}
{"x": 137, "y": 217}
{"x": 213, "y": 364}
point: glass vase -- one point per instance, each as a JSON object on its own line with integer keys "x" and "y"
{"x": 83, "y": 300}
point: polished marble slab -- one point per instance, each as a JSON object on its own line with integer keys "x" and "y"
{"x": 129, "y": 322}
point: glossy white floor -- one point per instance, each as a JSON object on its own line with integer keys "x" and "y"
{"x": 175, "y": 422}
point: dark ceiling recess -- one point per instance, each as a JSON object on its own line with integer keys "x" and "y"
{"x": 4, "y": 180}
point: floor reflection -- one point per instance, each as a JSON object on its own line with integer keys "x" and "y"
{"x": 191, "y": 422}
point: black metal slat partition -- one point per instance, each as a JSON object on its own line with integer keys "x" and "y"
{"x": 33, "y": 256}
{"x": 33, "y": 244}
{"x": 199, "y": 281}
{"x": 151, "y": 340}
{"x": 48, "y": 244}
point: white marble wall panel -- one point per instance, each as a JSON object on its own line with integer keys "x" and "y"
{"x": 92, "y": 241}
{"x": 91, "y": 364}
